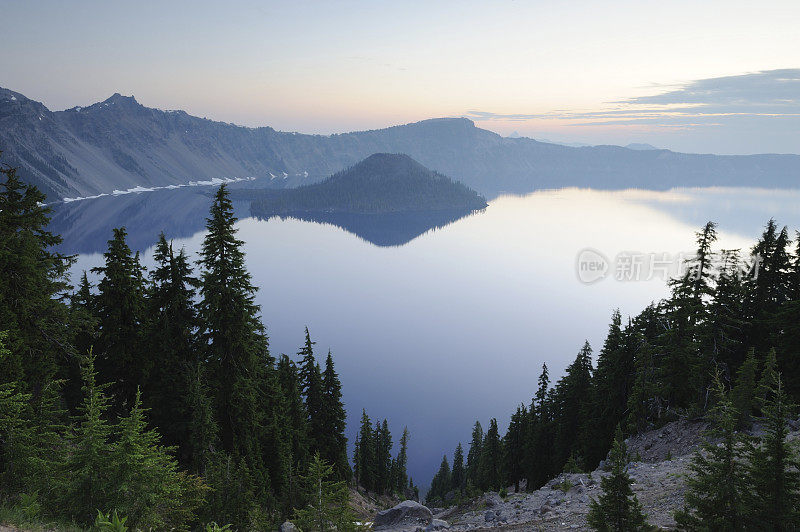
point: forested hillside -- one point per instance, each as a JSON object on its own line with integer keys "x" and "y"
{"x": 723, "y": 346}
{"x": 153, "y": 396}
{"x": 381, "y": 183}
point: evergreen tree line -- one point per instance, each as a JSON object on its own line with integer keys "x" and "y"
{"x": 374, "y": 467}
{"x": 724, "y": 314}
{"x": 155, "y": 393}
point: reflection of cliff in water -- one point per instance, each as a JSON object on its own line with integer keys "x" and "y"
{"x": 86, "y": 225}
{"x": 385, "y": 229}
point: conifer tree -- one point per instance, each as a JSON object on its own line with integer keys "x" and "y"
{"x": 611, "y": 385}
{"x": 312, "y": 388}
{"x": 716, "y": 491}
{"x": 744, "y": 390}
{"x": 203, "y": 432}
{"x": 514, "y": 446}
{"x": 328, "y": 507}
{"x": 775, "y": 503}
{"x": 240, "y": 371}
{"x": 84, "y": 335}
{"x": 458, "y": 476}
{"x": 173, "y": 347}
{"x": 366, "y": 454}
{"x": 121, "y": 319}
{"x": 538, "y": 462}
{"x": 298, "y": 423}
{"x": 148, "y": 488}
{"x": 727, "y": 325}
{"x": 474, "y": 454}
{"x": 89, "y": 471}
{"x": 383, "y": 457}
{"x": 401, "y": 477}
{"x": 440, "y": 484}
{"x": 490, "y": 470}
{"x": 618, "y": 508}
{"x": 334, "y": 421}
{"x": 34, "y": 281}
{"x": 572, "y": 398}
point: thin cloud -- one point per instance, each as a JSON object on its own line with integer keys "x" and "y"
{"x": 772, "y": 95}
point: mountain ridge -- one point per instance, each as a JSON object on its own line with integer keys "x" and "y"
{"x": 120, "y": 144}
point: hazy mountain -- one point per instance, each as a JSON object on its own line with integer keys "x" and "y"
{"x": 640, "y": 146}
{"x": 120, "y": 144}
{"x": 381, "y": 183}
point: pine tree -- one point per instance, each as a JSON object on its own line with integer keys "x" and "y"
{"x": 538, "y": 462}
{"x": 383, "y": 457}
{"x": 401, "y": 478}
{"x": 611, "y": 385}
{"x": 458, "y": 476}
{"x": 514, "y": 446}
{"x": 366, "y": 454}
{"x": 572, "y": 401}
{"x": 121, "y": 320}
{"x": 474, "y": 454}
{"x": 147, "y": 486}
{"x": 769, "y": 374}
{"x": 203, "y": 432}
{"x": 490, "y": 470}
{"x": 84, "y": 324}
{"x": 173, "y": 347}
{"x": 774, "y": 464}
{"x": 298, "y": 423}
{"x": 440, "y": 485}
{"x": 617, "y": 509}
{"x": 328, "y": 507}
{"x": 34, "y": 282}
{"x": 716, "y": 491}
{"x": 240, "y": 371}
{"x": 88, "y": 474}
{"x": 727, "y": 324}
{"x": 744, "y": 390}
{"x": 334, "y": 422}
{"x": 312, "y": 388}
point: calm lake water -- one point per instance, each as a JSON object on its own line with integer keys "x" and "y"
{"x": 433, "y": 330}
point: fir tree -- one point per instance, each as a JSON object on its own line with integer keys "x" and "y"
{"x": 366, "y": 454}
{"x": 298, "y": 423}
{"x": 312, "y": 388}
{"x": 120, "y": 312}
{"x": 458, "y": 476}
{"x": 328, "y": 507}
{"x": 172, "y": 340}
{"x": 148, "y": 488}
{"x": 617, "y": 509}
{"x": 334, "y": 421}
{"x": 490, "y": 470}
{"x": 716, "y": 491}
{"x": 34, "y": 281}
{"x": 401, "y": 477}
{"x": 514, "y": 446}
{"x": 744, "y": 390}
{"x": 774, "y": 467}
{"x": 474, "y": 454}
{"x": 240, "y": 371}
{"x": 88, "y": 475}
{"x": 440, "y": 485}
{"x": 383, "y": 457}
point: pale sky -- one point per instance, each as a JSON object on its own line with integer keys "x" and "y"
{"x": 573, "y": 71}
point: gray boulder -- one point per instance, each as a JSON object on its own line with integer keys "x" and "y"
{"x": 288, "y": 526}
{"x": 407, "y": 513}
{"x": 437, "y": 524}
